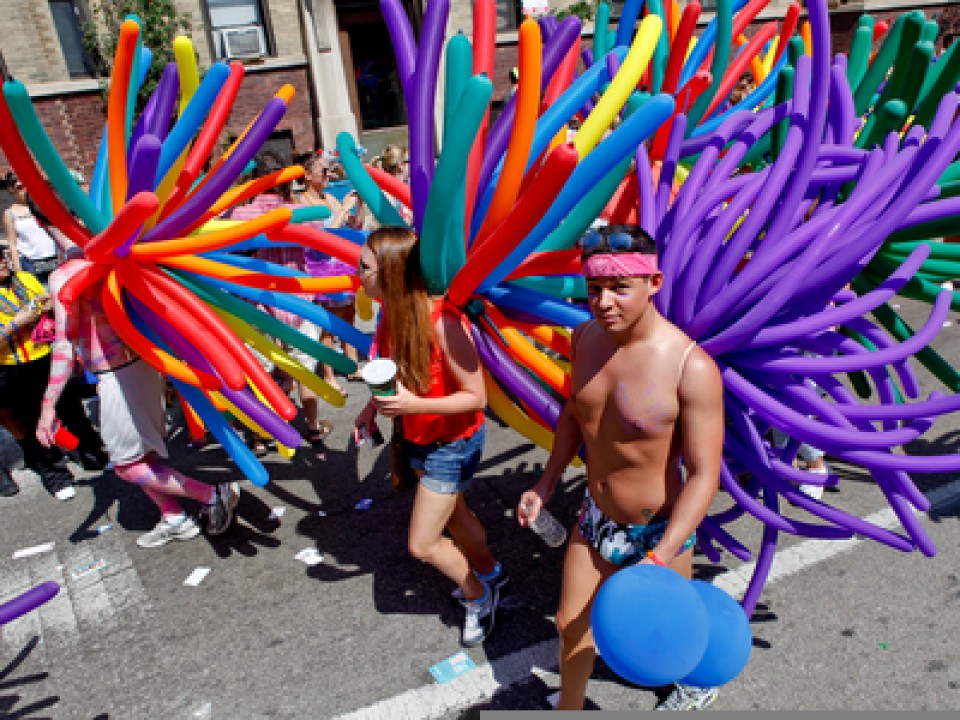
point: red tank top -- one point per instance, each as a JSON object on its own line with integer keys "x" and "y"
{"x": 425, "y": 429}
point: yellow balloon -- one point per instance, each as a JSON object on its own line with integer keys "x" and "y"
{"x": 364, "y": 306}
{"x": 621, "y": 86}
{"x": 252, "y": 425}
{"x": 186, "y": 59}
{"x": 281, "y": 358}
{"x": 515, "y": 418}
{"x": 771, "y": 54}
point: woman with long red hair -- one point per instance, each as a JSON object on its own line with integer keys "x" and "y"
{"x": 440, "y": 400}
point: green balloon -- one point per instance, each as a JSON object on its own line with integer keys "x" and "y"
{"x": 661, "y": 52}
{"x": 601, "y": 32}
{"x": 448, "y": 178}
{"x": 721, "y": 57}
{"x": 877, "y": 72}
{"x": 309, "y": 213}
{"x": 859, "y": 56}
{"x": 941, "y": 79}
{"x": 563, "y": 287}
{"x": 37, "y": 140}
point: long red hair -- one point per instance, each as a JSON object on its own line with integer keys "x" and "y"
{"x": 406, "y": 304}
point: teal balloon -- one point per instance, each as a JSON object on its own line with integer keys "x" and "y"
{"x": 371, "y": 194}
{"x": 268, "y": 324}
{"x": 309, "y": 213}
{"x": 880, "y": 66}
{"x": 459, "y": 69}
{"x": 560, "y": 286}
{"x": 582, "y": 215}
{"x": 601, "y": 32}
{"x": 662, "y": 51}
{"x": 858, "y": 58}
{"x": 721, "y": 58}
{"x": 448, "y": 179}
{"x": 37, "y": 140}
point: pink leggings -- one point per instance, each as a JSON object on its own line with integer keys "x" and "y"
{"x": 163, "y": 485}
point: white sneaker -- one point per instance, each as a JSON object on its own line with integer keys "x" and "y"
{"x": 688, "y": 697}
{"x": 167, "y": 530}
{"x": 66, "y": 493}
{"x": 815, "y": 491}
{"x": 478, "y": 623}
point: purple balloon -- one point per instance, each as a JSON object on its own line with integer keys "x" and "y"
{"x": 27, "y": 601}
{"x": 420, "y": 111}
{"x": 207, "y": 195}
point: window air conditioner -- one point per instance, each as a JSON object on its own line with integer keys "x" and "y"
{"x": 243, "y": 42}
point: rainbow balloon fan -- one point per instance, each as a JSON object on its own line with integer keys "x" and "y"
{"x": 160, "y": 261}
{"x": 765, "y": 209}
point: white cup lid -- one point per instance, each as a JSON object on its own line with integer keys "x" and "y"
{"x": 379, "y": 371}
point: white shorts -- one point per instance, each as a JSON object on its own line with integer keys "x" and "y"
{"x": 306, "y": 359}
{"x": 132, "y": 417}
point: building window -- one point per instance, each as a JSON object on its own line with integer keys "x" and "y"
{"x": 67, "y": 20}
{"x": 238, "y": 29}
{"x": 509, "y": 15}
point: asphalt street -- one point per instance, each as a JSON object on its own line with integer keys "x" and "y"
{"x": 841, "y": 626}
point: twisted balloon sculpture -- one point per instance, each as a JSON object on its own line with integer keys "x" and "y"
{"x": 163, "y": 265}
{"x": 788, "y": 197}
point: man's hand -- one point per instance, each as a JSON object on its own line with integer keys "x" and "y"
{"x": 529, "y": 506}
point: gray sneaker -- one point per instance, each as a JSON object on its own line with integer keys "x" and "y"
{"x": 689, "y": 697}
{"x": 219, "y": 513}
{"x": 478, "y": 623}
{"x": 167, "y": 530}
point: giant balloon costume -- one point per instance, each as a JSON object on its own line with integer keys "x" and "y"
{"x": 783, "y": 221}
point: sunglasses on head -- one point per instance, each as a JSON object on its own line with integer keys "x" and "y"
{"x": 614, "y": 239}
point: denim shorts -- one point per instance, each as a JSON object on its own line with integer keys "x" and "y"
{"x": 448, "y": 467}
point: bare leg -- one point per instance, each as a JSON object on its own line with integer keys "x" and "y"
{"x": 426, "y": 542}
{"x": 583, "y": 572}
{"x": 162, "y": 484}
{"x": 471, "y": 537}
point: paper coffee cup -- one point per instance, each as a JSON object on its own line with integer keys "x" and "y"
{"x": 380, "y": 375}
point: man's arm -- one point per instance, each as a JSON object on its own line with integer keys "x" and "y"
{"x": 567, "y": 439}
{"x": 701, "y": 433}
{"x": 61, "y": 363}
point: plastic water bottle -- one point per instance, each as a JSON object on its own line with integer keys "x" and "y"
{"x": 549, "y": 528}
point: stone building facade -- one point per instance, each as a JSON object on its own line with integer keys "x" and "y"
{"x": 336, "y": 53}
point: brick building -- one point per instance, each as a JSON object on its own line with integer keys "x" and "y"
{"x": 336, "y": 53}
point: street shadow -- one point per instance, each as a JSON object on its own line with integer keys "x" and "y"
{"x": 11, "y": 706}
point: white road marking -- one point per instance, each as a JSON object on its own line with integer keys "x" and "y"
{"x": 480, "y": 684}
{"x": 88, "y": 604}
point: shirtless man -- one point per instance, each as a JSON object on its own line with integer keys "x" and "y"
{"x": 132, "y": 418}
{"x": 643, "y": 396}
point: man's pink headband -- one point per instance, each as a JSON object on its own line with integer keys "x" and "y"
{"x": 622, "y": 264}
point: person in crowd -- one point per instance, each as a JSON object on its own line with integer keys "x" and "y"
{"x": 25, "y": 335}
{"x": 32, "y": 248}
{"x": 342, "y": 305}
{"x": 395, "y": 160}
{"x": 295, "y": 258}
{"x": 132, "y": 417}
{"x": 644, "y": 396}
{"x": 438, "y": 440}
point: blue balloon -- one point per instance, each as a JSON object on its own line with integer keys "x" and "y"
{"x": 649, "y": 625}
{"x": 729, "y": 639}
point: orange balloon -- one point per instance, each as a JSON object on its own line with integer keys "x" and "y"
{"x": 518, "y": 149}
{"x": 263, "y": 281}
{"x": 117, "y": 112}
{"x": 215, "y": 239}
